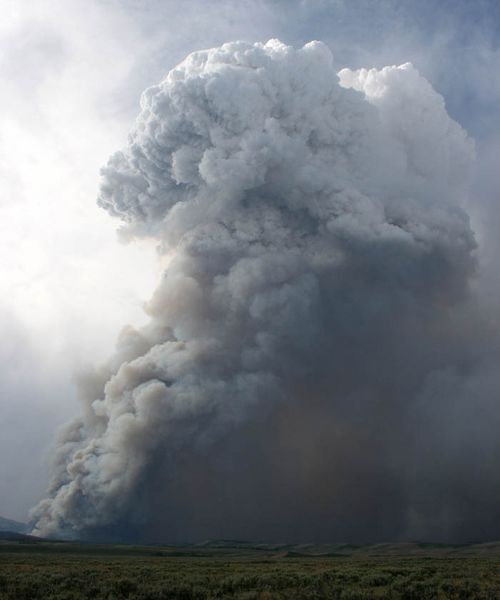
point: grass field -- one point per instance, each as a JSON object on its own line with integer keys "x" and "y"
{"x": 231, "y": 570}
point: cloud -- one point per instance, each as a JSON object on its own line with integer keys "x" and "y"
{"x": 70, "y": 91}
{"x": 320, "y": 262}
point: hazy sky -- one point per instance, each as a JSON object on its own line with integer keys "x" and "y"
{"x": 72, "y": 72}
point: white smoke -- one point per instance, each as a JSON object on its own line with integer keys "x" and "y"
{"x": 318, "y": 250}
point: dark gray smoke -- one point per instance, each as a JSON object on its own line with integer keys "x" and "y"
{"x": 315, "y": 367}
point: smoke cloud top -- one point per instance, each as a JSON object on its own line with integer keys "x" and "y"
{"x": 316, "y": 366}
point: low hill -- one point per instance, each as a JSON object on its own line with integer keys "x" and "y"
{"x": 14, "y": 536}
{"x": 13, "y": 526}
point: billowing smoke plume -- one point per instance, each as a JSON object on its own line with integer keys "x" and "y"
{"x": 311, "y": 368}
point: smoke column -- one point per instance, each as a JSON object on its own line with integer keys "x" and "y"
{"x": 315, "y": 366}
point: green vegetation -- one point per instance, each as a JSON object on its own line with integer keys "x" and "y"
{"x": 74, "y": 571}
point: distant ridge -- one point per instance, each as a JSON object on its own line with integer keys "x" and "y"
{"x": 14, "y": 536}
{"x": 311, "y": 550}
{"x": 13, "y": 526}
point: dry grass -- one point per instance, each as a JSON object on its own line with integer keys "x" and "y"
{"x": 72, "y": 572}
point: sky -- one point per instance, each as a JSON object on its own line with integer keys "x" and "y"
{"x": 72, "y": 73}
